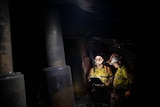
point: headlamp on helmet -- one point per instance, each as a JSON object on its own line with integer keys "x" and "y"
{"x": 115, "y": 59}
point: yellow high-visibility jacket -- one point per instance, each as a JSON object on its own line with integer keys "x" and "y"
{"x": 122, "y": 78}
{"x": 104, "y": 74}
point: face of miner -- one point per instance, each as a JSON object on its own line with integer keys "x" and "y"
{"x": 98, "y": 60}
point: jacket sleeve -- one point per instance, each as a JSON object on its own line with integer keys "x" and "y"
{"x": 110, "y": 75}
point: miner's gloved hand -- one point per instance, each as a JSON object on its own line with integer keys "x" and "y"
{"x": 107, "y": 84}
{"x": 127, "y": 93}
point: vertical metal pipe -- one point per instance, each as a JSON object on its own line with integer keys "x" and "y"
{"x": 5, "y": 39}
{"x": 58, "y": 75}
{"x": 60, "y": 88}
{"x": 12, "y": 91}
{"x": 54, "y": 40}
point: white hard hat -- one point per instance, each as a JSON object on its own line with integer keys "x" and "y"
{"x": 114, "y": 59}
{"x": 98, "y": 60}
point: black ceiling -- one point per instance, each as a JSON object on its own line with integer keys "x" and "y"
{"x": 81, "y": 18}
{"x": 100, "y": 18}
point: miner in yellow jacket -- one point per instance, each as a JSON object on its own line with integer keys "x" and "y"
{"x": 122, "y": 81}
{"x": 100, "y": 92}
{"x": 101, "y": 71}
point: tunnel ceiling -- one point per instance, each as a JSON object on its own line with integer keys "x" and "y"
{"x": 87, "y": 19}
{"x": 110, "y": 23}
{"x": 98, "y": 18}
